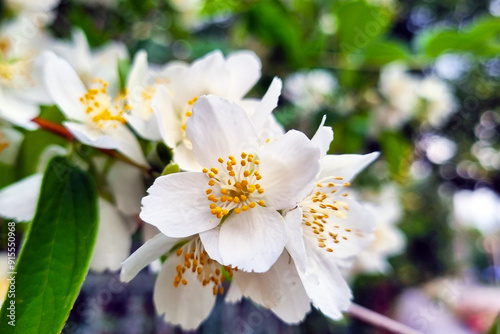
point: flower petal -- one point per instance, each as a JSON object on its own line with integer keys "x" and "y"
{"x": 186, "y": 305}
{"x": 295, "y": 244}
{"x": 18, "y": 201}
{"x": 169, "y": 125}
{"x": 18, "y": 111}
{"x": 64, "y": 86}
{"x": 127, "y": 144}
{"x": 288, "y": 167}
{"x": 91, "y": 137}
{"x": 245, "y": 70}
{"x": 252, "y": 240}
{"x": 126, "y": 185}
{"x": 267, "y": 104}
{"x": 177, "y": 205}
{"x": 185, "y": 158}
{"x": 345, "y": 165}
{"x": 113, "y": 241}
{"x": 323, "y": 137}
{"x": 219, "y": 128}
{"x": 14, "y": 138}
{"x": 279, "y": 289}
{"x": 210, "y": 240}
{"x": 138, "y": 73}
{"x": 147, "y": 253}
{"x": 324, "y": 284}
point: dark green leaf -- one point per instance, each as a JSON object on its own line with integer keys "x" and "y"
{"x": 55, "y": 257}
{"x": 479, "y": 38}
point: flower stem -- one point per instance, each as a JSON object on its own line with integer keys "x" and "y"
{"x": 63, "y": 132}
{"x": 379, "y": 320}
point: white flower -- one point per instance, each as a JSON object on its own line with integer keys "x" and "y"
{"x": 142, "y": 84}
{"x": 439, "y": 100}
{"x": 96, "y": 117}
{"x": 243, "y": 185}
{"x": 478, "y": 209}
{"x": 91, "y": 64}
{"x": 37, "y": 11}
{"x": 230, "y": 78}
{"x": 18, "y": 201}
{"x": 400, "y": 90}
{"x": 388, "y": 239}
{"x": 21, "y": 85}
{"x": 310, "y": 90}
{"x": 328, "y": 229}
{"x": 188, "y": 282}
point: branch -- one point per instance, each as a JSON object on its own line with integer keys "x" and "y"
{"x": 63, "y": 132}
{"x": 379, "y": 320}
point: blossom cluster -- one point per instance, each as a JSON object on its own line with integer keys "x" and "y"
{"x": 265, "y": 212}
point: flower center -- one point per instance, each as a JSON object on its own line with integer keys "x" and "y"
{"x": 235, "y": 186}
{"x": 4, "y": 143}
{"x": 102, "y": 111}
{"x": 207, "y": 271}
{"x": 323, "y": 203}
{"x": 16, "y": 74}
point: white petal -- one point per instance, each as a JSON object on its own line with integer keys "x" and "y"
{"x": 288, "y": 167}
{"x": 267, "y": 104}
{"x": 210, "y": 240}
{"x": 353, "y": 233}
{"x": 169, "y": 125}
{"x": 127, "y": 144}
{"x": 219, "y": 128}
{"x": 138, "y": 73}
{"x": 187, "y": 305}
{"x": 278, "y": 289}
{"x": 17, "y": 111}
{"x": 113, "y": 241}
{"x": 324, "y": 284}
{"x": 91, "y": 137}
{"x": 147, "y": 253}
{"x": 323, "y": 137}
{"x": 184, "y": 157}
{"x": 252, "y": 240}
{"x": 147, "y": 129}
{"x": 64, "y": 86}
{"x": 177, "y": 205}
{"x": 127, "y": 187}
{"x": 245, "y": 70}
{"x": 345, "y": 165}
{"x": 295, "y": 244}
{"x": 18, "y": 201}
{"x": 14, "y": 138}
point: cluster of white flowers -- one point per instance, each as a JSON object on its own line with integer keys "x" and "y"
{"x": 268, "y": 208}
{"x": 429, "y": 99}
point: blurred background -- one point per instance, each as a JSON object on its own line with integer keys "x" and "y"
{"x": 418, "y": 81}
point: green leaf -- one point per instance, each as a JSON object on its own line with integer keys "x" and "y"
{"x": 479, "y": 38}
{"x": 495, "y": 328}
{"x": 360, "y": 23}
{"x": 379, "y": 53}
{"x": 55, "y": 257}
{"x": 397, "y": 151}
{"x": 123, "y": 70}
{"x": 171, "y": 168}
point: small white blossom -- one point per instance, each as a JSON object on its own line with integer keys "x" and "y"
{"x": 243, "y": 185}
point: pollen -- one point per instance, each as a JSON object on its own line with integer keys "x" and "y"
{"x": 196, "y": 267}
{"x": 322, "y": 211}
{"x": 104, "y": 112}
